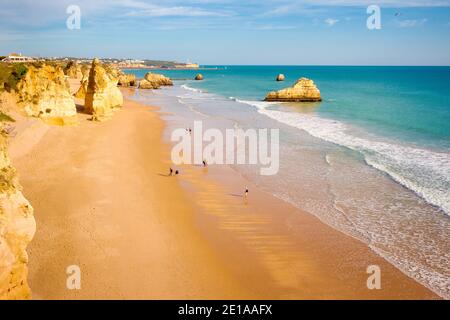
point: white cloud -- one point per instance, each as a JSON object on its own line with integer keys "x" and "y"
{"x": 176, "y": 12}
{"x": 331, "y": 22}
{"x": 410, "y": 23}
{"x": 385, "y": 3}
{"x": 303, "y": 6}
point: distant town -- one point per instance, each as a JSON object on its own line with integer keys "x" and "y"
{"x": 120, "y": 63}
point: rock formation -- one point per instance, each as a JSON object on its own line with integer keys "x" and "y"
{"x": 44, "y": 92}
{"x": 102, "y": 94}
{"x": 73, "y": 70}
{"x": 199, "y": 77}
{"x": 17, "y": 228}
{"x": 85, "y": 70}
{"x": 154, "y": 81}
{"x": 303, "y": 91}
{"x": 281, "y": 77}
{"x": 127, "y": 80}
{"x": 81, "y": 92}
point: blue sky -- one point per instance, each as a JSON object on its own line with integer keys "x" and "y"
{"x": 278, "y": 32}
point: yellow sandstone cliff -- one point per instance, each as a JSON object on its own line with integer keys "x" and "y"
{"x": 73, "y": 70}
{"x": 44, "y": 92}
{"x": 102, "y": 94}
{"x": 304, "y": 90}
{"x": 127, "y": 80}
{"x": 81, "y": 92}
{"x": 17, "y": 228}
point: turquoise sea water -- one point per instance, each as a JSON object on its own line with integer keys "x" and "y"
{"x": 371, "y": 160}
{"x": 407, "y": 103}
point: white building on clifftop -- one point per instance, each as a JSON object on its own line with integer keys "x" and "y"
{"x": 14, "y": 57}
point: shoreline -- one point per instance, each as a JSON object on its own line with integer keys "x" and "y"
{"x": 181, "y": 237}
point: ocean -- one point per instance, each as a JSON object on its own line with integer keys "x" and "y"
{"x": 371, "y": 160}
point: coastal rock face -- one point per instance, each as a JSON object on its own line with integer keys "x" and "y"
{"x": 303, "y": 91}
{"x": 127, "y": 80}
{"x": 81, "y": 92}
{"x": 199, "y": 77}
{"x": 17, "y": 228}
{"x": 102, "y": 94}
{"x": 73, "y": 70}
{"x": 154, "y": 81}
{"x": 281, "y": 77}
{"x": 44, "y": 92}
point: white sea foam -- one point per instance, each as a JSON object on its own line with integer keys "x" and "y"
{"x": 423, "y": 171}
{"x": 186, "y": 87}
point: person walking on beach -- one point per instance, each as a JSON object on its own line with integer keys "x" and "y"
{"x": 171, "y": 172}
{"x": 205, "y": 164}
{"x": 246, "y": 193}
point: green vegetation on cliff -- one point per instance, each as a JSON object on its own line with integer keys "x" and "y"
{"x": 10, "y": 74}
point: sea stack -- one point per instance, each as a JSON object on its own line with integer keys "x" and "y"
{"x": 17, "y": 228}
{"x": 304, "y": 90}
{"x": 102, "y": 94}
{"x": 44, "y": 92}
{"x": 154, "y": 81}
{"x": 281, "y": 77}
{"x": 199, "y": 77}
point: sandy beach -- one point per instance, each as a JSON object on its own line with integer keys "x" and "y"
{"x": 103, "y": 201}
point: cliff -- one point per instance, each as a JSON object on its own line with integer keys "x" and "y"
{"x": 81, "y": 92}
{"x": 154, "y": 81}
{"x": 102, "y": 94}
{"x": 304, "y": 90}
{"x": 17, "y": 228}
{"x": 44, "y": 92}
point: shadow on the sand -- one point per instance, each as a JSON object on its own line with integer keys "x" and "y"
{"x": 165, "y": 175}
{"x": 81, "y": 109}
{"x": 236, "y": 195}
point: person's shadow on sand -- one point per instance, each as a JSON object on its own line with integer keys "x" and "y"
{"x": 236, "y": 195}
{"x": 165, "y": 175}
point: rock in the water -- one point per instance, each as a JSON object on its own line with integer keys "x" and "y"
{"x": 102, "y": 94}
{"x": 17, "y": 228}
{"x": 44, "y": 92}
{"x": 281, "y": 77}
{"x": 154, "y": 81}
{"x": 127, "y": 80}
{"x": 199, "y": 77}
{"x": 303, "y": 91}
